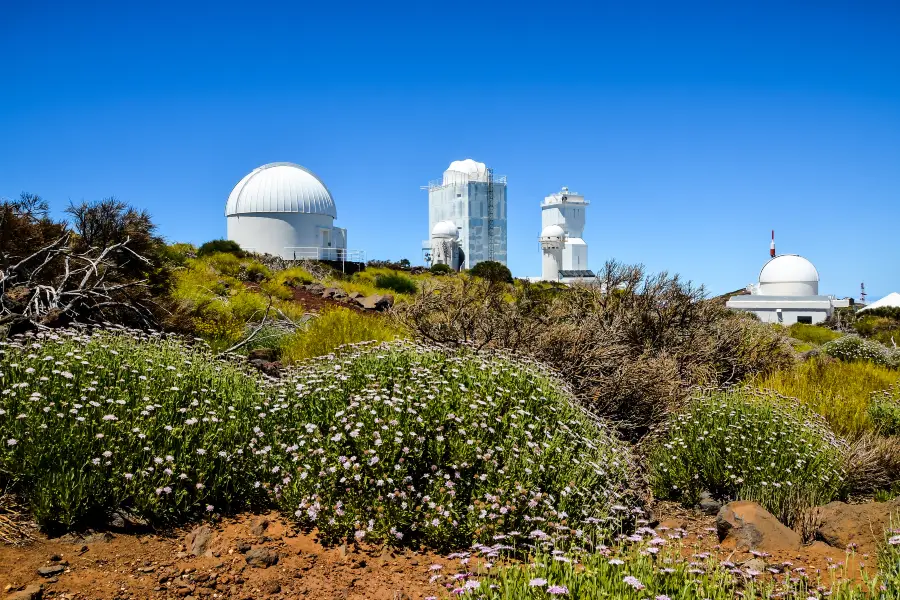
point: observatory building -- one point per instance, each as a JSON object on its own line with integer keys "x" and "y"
{"x": 466, "y": 216}
{"x": 787, "y": 292}
{"x": 564, "y": 252}
{"x": 284, "y": 209}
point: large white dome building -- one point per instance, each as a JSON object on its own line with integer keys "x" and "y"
{"x": 787, "y": 292}
{"x": 284, "y": 209}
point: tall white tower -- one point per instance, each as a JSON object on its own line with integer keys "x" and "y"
{"x": 473, "y": 201}
{"x": 553, "y": 238}
{"x": 564, "y": 212}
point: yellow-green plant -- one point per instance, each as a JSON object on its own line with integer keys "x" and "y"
{"x": 839, "y": 391}
{"x": 336, "y": 327}
{"x": 813, "y": 334}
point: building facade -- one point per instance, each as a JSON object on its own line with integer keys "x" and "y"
{"x": 285, "y": 210}
{"x": 787, "y": 292}
{"x": 564, "y": 251}
{"x": 463, "y": 200}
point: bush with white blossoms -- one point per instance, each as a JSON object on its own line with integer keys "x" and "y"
{"x": 405, "y": 443}
{"x": 92, "y": 422}
{"x": 748, "y": 445}
{"x": 395, "y": 442}
{"x": 852, "y": 347}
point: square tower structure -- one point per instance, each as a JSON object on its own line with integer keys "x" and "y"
{"x": 567, "y": 210}
{"x": 472, "y": 199}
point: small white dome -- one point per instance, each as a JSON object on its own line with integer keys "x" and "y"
{"x": 789, "y": 275}
{"x": 463, "y": 171}
{"x": 280, "y": 188}
{"x": 552, "y": 232}
{"x": 445, "y": 229}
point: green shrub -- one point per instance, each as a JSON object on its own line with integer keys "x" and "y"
{"x": 839, "y": 391}
{"x": 226, "y": 246}
{"x": 401, "y": 442}
{"x": 813, "y": 334}
{"x": 91, "y": 423}
{"x": 492, "y": 271}
{"x": 749, "y": 446}
{"x": 854, "y": 348}
{"x": 293, "y": 277}
{"x": 396, "y": 282}
{"x": 256, "y": 272}
{"x": 884, "y": 411}
{"x": 440, "y": 269}
{"x": 333, "y": 328}
{"x": 223, "y": 262}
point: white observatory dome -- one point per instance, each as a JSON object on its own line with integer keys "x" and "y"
{"x": 463, "y": 171}
{"x": 280, "y": 187}
{"x": 553, "y": 233}
{"x": 789, "y": 275}
{"x": 445, "y": 229}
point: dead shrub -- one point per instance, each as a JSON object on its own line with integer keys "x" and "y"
{"x": 631, "y": 346}
{"x": 872, "y": 464}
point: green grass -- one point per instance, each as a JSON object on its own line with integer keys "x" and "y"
{"x": 333, "y": 328}
{"x": 749, "y": 446}
{"x": 395, "y": 443}
{"x": 839, "y": 391}
{"x": 812, "y": 334}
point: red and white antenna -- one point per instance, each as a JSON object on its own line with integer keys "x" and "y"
{"x": 772, "y": 247}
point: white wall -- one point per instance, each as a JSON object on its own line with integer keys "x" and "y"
{"x": 272, "y": 233}
{"x": 551, "y": 261}
{"x": 788, "y": 316}
{"x": 792, "y": 288}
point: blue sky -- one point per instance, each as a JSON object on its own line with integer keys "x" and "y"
{"x": 693, "y": 128}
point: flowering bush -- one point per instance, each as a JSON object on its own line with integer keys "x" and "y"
{"x": 394, "y": 442}
{"x": 852, "y": 347}
{"x": 94, "y": 422}
{"x": 750, "y": 446}
{"x": 404, "y": 443}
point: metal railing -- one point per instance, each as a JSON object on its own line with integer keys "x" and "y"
{"x": 316, "y": 253}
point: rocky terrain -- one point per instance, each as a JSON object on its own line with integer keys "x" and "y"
{"x": 263, "y": 556}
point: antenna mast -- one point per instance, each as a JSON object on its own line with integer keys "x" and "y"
{"x": 490, "y": 212}
{"x": 862, "y": 293}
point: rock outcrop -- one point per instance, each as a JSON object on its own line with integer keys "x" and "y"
{"x": 748, "y": 526}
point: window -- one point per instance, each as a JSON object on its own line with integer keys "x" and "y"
{"x": 805, "y": 320}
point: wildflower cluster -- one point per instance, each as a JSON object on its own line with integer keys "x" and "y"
{"x": 852, "y": 348}
{"x": 750, "y": 446}
{"x": 393, "y": 442}
{"x": 402, "y": 442}
{"x": 91, "y": 422}
{"x": 647, "y": 565}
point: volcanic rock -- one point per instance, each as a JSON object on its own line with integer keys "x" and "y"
{"x": 198, "y": 540}
{"x": 51, "y": 571}
{"x": 748, "y": 526}
{"x": 32, "y": 592}
{"x": 262, "y": 558}
{"x": 862, "y": 525}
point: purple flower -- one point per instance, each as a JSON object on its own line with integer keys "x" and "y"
{"x": 634, "y": 582}
{"x": 558, "y": 590}
{"x": 537, "y": 582}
